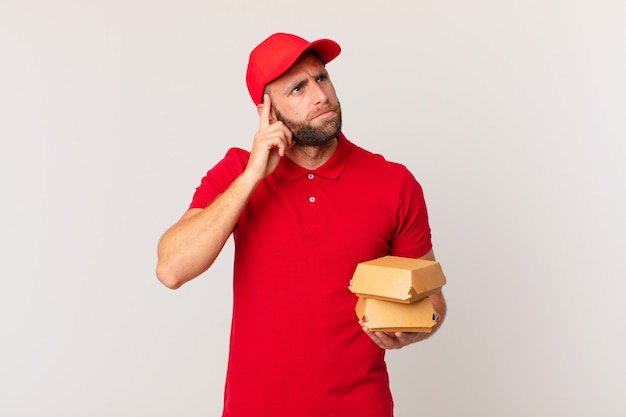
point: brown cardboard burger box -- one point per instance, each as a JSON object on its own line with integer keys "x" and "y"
{"x": 398, "y": 279}
{"x": 387, "y": 316}
{"x": 393, "y": 293}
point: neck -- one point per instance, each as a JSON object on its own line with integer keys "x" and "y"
{"x": 312, "y": 157}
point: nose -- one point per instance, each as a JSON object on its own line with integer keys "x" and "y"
{"x": 319, "y": 95}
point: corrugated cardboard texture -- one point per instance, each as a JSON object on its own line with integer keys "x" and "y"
{"x": 398, "y": 279}
{"x": 388, "y": 316}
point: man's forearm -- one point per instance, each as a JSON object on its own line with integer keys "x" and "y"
{"x": 191, "y": 246}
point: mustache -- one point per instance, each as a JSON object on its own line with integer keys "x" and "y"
{"x": 326, "y": 107}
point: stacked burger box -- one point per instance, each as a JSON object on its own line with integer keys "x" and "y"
{"x": 393, "y": 293}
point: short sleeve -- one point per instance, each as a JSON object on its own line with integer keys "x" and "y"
{"x": 412, "y": 237}
{"x": 220, "y": 177}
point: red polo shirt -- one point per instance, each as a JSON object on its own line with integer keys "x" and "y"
{"x": 296, "y": 348}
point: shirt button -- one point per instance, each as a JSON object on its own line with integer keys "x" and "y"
{"x": 310, "y": 176}
{"x": 311, "y": 199}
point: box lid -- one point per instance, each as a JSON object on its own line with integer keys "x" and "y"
{"x": 399, "y": 279}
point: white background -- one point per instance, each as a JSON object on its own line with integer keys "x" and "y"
{"x": 511, "y": 114}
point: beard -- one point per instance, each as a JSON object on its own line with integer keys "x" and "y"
{"x": 305, "y": 134}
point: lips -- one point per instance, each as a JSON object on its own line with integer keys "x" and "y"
{"x": 324, "y": 114}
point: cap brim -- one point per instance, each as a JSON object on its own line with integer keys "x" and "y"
{"x": 326, "y": 49}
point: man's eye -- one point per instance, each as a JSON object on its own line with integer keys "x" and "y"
{"x": 322, "y": 78}
{"x": 296, "y": 90}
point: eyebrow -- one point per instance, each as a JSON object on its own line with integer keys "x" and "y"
{"x": 299, "y": 83}
{"x": 290, "y": 87}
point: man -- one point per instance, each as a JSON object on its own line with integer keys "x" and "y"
{"x": 305, "y": 206}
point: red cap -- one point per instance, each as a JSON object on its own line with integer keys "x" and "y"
{"x": 275, "y": 55}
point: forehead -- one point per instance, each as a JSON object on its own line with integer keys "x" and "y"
{"x": 307, "y": 64}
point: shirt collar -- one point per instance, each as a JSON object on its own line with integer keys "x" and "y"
{"x": 288, "y": 170}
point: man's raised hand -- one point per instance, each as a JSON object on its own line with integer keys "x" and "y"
{"x": 271, "y": 141}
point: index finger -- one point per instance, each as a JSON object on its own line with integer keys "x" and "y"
{"x": 265, "y": 112}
